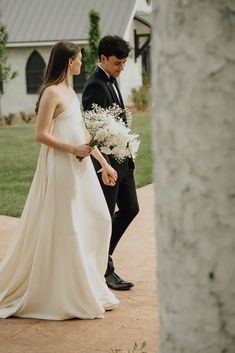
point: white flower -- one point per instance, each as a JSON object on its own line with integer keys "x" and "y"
{"x": 110, "y": 132}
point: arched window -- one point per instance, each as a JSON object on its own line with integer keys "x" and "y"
{"x": 80, "y": 80}
{"x": 34, "y": 72}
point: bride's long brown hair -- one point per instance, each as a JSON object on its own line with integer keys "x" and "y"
{"x": 57, "y": 66}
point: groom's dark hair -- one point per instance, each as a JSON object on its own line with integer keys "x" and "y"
{"x": 113, "y": 45}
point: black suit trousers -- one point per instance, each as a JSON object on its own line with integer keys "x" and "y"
{"x": 123, "y": 194}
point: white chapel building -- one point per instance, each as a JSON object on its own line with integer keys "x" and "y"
{"x": 35, "y": 25}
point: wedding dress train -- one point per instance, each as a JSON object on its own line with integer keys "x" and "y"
{"x": 54, "y": 268}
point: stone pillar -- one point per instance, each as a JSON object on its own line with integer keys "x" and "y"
{"x": 193, "y": 62}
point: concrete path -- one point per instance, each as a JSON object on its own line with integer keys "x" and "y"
{"x": 135, "y": 320}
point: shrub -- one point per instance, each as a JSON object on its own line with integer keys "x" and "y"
{"x": 9, "y": 118}
{"x": 141, "y": 96}
{"x": 26, "y": 117}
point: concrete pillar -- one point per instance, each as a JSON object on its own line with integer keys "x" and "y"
{"x": 193, "y": 61}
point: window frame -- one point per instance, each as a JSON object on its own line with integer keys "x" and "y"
{"x": 34, "y": 73}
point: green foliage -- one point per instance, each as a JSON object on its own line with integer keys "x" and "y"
{"x": 27, "y": 117}
{"x": 90, "y": 56}
{"x": 136, "y": 349}
{"x": 141, "y": 96}
{"x": 9, "y": 118}
{"x": 5, "y": 69}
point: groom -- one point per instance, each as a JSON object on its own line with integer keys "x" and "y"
{"x": 102, "y": 89}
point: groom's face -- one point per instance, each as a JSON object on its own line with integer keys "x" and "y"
{"x": 112, "y": 65}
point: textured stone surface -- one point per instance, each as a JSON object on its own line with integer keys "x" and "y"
{"x": 135, "y": 320}
{"x": 194, "y": 134}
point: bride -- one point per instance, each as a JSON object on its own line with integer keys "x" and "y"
{"x": 54, "y": 268}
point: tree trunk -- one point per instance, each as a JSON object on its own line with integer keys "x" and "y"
{"x": 193, "y": 61}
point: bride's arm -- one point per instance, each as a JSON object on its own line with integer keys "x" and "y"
{"x": 109, "y": 175}
{"x": 49, "y": 101}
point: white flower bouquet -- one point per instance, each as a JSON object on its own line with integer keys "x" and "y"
{"x": 110, "y": 132}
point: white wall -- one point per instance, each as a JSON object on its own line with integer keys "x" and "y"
{"x": 132, "y": 74}
{"x": 15, "y": 97}
{"x": 143, "y": 6}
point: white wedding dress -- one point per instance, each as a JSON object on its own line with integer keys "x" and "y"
{"x": 54, "y": 268}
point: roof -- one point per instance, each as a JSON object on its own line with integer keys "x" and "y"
{"x": 30, "y": 21}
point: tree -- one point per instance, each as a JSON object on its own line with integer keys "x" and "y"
{"x": 194, "y": 135}
{"x": 90, "y": 56}
{"x": 6, "y": 73}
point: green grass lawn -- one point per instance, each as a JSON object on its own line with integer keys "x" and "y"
{"x": 18, "y": 158}
{"x": 142, "y": 126}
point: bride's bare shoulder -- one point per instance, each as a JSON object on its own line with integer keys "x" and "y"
{"x": 51, "y": 92}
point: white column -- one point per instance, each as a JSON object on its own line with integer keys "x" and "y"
{"x": 193, "y": 61}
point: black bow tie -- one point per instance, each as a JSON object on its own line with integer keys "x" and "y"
{"x": 112, "y": 79}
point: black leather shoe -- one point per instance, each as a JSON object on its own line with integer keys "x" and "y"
{"x": 115, "y": 282}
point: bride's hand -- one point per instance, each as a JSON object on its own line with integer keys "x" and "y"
{"x": 83, "y": 150}
{"x": 109, "y": 175}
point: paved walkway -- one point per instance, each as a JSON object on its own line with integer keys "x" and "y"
{"x": 135, "y": 320}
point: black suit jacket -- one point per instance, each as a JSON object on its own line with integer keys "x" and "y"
{"x": 99, "y": 90}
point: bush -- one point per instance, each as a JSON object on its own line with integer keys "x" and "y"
{"x": 9, "y": 118}
{"x": 141, "y": 96}
{"x": 26, "y": 117}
